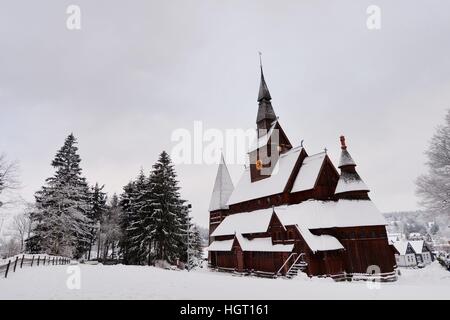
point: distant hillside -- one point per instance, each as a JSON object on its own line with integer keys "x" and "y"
{"x": 418, "y": 221}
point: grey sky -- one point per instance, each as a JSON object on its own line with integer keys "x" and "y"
{"x": 140, "y": 69}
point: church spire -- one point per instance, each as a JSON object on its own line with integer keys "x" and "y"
{"x": 350, "y": 184}
{"x": 223, "y": 187}
{"x": 266, "y": 114}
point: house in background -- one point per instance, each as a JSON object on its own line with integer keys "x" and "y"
{"x": 423, "y": 252}
{"x": 405, "y": 255}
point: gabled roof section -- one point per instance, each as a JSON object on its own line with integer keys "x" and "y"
{"x": 310, "y": 214}
{"x": 262, "y": 245}
{"x": 402, "y": 247}
{"x": 417, "y": 245}
{"x": 224, "y": 245}
{"x": 319, "y": 243}
{"x": 247, "y": 222}
{"x": 309, "y": 172}
{"x": 223, "y": 187}
{"x": 247, "y": 190}
{"x": 314, "y": 214}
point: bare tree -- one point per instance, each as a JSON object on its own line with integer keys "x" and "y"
{"x": 8, "y": 176}
{"x": 22, "y": 227}
{"x": 434, "y": 187}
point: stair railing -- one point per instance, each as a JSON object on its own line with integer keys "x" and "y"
{"x": 285, "y": 262}
{"x": 295, "y": 262}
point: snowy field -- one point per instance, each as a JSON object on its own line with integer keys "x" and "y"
{"x": 134, "y": 282}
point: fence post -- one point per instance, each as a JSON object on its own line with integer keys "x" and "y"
{"x": 53, "y": 262}
{"x": 39, "y": 258}
{"x": 21, "y": 262}
{"x": 15, "y": 264}
{"x": 32, "y": 260}
{"x": 7, "y": 269}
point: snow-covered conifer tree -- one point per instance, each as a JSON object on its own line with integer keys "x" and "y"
{"x": 61, "y": 225}
{"x": 98, "y": 208}
{"x": 169, "y": 213}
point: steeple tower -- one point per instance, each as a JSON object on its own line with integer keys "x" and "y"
{"x": 350, "y": 184}
{"x": 223, "y": 187}
{"x": 266, "y": 114}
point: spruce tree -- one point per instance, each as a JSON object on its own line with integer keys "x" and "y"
{"x": 135, "y": 229}
{"x": 110, "y": 227}
{"x": 169, "y": 213}
{"x": 95, "y": 214}
{"x": 61, "y": 223}
{"x": 195, "y": 247}
{"x": 125, "y": 221}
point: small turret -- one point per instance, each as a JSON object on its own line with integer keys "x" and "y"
{"x": 350, "y": 184}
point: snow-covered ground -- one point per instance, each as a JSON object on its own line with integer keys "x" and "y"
{"x": 135, "y": 282}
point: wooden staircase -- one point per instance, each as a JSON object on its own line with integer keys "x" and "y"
{"x": 297, "y": 267}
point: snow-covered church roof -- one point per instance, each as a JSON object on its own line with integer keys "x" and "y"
{"x": 346, "y": 159}
{"x": 319, "y": 243}
{"x": 350, "y": 182}
{"x": 310, "y": 214}
{"x": 254, "y": 245}
{"x": 223, "y": 187}
{"x": 306, "y": 179}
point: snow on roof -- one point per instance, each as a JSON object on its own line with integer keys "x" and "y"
{"x": 262, "y": 245}
{"x": 310, "y": 214}
{"x": 346, "y": 159}
{"x": 417, "y": 245}
{"x": 224, "y": 245}
{"x": 319, "y": 243}
{"x": 315, "y": 214}
{"x": 246, "y": 190}
{"x": 401, "y": 247}
{"x": 247, "y": 222}
{"x": 309, "y": 172}
{"x": 350, "y": 182}
{"x": 223, "y": 187}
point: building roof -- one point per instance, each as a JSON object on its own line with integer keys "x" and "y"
{"x": 306, "y": 179}
{"x": 417, "y": 245}
{"x": 315, "y": 214}
{"x": 350, "y": 181}
{"x": 224, "y": 245}
{"x": 319, "y": 243}
{"x": 309, "y": 172}
{"x": 223, "y": 187}
{"x": 247, "y": 190}
{"x": 401, "y": 246}
{"x": 247, "y": 222}
{"x": 263, "y": 93}
{"x": 255, "y": 245}
{"x": 346, "y": 159}
{"x": 262, "y": 245}
{"x": 310, "y": 214}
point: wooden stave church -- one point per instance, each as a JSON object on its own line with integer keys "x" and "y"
{"x": 310, "y": 218}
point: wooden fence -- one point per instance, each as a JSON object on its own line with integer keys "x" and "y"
{"x": 13, "y": 264}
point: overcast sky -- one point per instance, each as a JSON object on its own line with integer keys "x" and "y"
{"x": 137, "y": 70}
